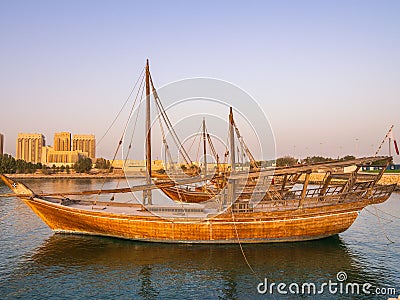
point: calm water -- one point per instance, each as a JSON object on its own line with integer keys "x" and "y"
{"x": 37, "y": 264}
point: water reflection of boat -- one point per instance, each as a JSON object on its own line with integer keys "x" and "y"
{"x": 113, "y": 268}
{"x": 317, "y": 261}
{"x": 78, "y": 251}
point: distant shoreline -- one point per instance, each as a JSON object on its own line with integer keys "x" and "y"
{"x": 316, "y": 178}
{"x": 74, "y": 176}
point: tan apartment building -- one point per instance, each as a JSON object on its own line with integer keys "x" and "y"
{"x": 66, "y": 151}
{"x": 60, "y": 158}
{"x": 62, "y": 141}
{"x": 52, "y": 157}
{"x": 29, "y": 147}
{"x": 85, "y": 143}
{"x": 1, "y": 144}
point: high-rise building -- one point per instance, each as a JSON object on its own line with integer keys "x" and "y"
{"x": 85, "y": 143}
{"x": 1, "y": 143}
{"x": 62, "y": 141}
{"x": 29, "y": 147}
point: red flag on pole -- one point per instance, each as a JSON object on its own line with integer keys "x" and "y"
{"x": 391, "y": 137}
{"x": 395, "y": 146}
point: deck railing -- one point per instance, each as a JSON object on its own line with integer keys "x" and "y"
{"x": 333, "y": 196}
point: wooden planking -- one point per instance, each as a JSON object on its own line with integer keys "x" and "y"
{"x": 218, "y": 230}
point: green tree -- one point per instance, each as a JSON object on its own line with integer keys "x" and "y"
{"x": 46, "y": 170}
{"x": 7, "y": 164}
{"x": 30, "y": 168}
{"x": 83, "y": 165}
{"x": 348, "y": 157}
{"x": 102, "y": 163}
{"x": 286, "y": 161}
{"x": 10, "y": 165}
{"x": 21, "y": 166}
{"x": 317, "y": 159}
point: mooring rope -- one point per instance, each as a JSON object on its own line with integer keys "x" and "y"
{"x": 381, "y": 226}
{"x": 241, "y": 247}
{"x": 375, "y": 215}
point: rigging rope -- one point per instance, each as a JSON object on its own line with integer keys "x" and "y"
{"x": 121, "y": 139}
{"x": 168, "y": 152}
{"x": 216, "y": 156}
{"x": 198, "y": 148}
{"x": 197, "y": 132}
{"x": 383, "y": 141}
{"x": 133, "y": 132}
{"x": 122, "y": 108}
{"x": 243, "y": 144}
{"x": 178, "y": 143}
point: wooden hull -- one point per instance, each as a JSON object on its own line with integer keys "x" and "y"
{"x": 181, "y": 195}
{"x": 300, "y": 225}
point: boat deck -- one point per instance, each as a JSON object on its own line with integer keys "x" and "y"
{"x": 185, "y": 210}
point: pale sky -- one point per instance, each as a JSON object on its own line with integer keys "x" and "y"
{"x": 326, "y": 73}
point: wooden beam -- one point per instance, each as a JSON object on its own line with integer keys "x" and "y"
{"x": 326, "y": 184}
{"x": 304, "y": 191}
{"x": 382, "y": 171}
{"x": 352, "y": 180}
{"x": 284, "y": 183}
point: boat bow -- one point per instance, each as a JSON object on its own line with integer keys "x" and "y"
{"x": 20, "y": 189}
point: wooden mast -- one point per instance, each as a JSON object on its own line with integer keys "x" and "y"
{"x": 147, "y": 194}
{"x": 204, "y": 147}
{"x": 231, "y": 182}
{"x": 232, "y": 139}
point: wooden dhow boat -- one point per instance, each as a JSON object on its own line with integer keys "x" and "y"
{"x": 269, "y": 212}
{"x": 307, "y": 213}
